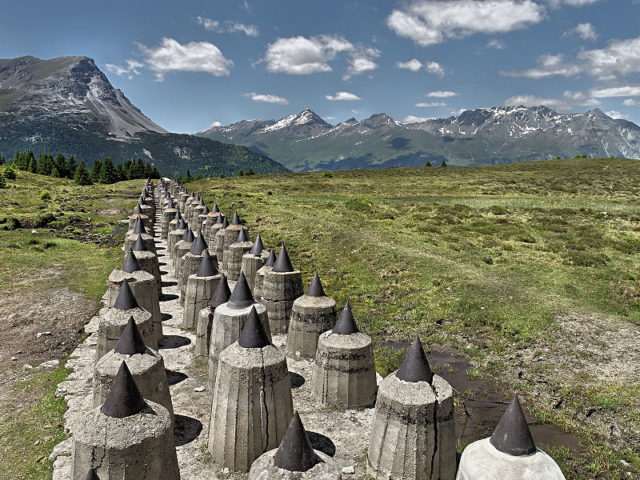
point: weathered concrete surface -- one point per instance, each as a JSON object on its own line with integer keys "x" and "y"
{"x": 264, "y": 469}
{"x": 233, "y": 259}
{"x": 481, "y": 460}
{"x": 167, "y": 217}
{"x": 150, "y": 264}
{"x": 250, "y": 266}
{"x": 131, "y": 238}
{"x": 146, "y": 221}
{"x": 174, "y": 237}
{"x": 252, "y": 405}
{"x": 310, "y": 317}
{"x": 198, "y": 293}
{"x": 137, "y": 447}
{"x": 259, "y": 281}
{"x": 145, "y": 288}
{"x": 203, "y": 332}
{"x": 344, "y": 374}
{"x": 278, "y": 292}
{"x": 413, "y": 434}
{"x": 148, "y": 372}
{"x": 111, "y": 324}
{"x": 188, "y": 266}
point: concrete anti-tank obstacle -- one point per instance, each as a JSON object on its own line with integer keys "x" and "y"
{"x": 173, "y": 224}
{"x": 200, "y": 287}
{"x": 168, "y": 214}
{"x": 210, "y": 220}
{"x": 311, "y": 315}
{"x": 146, "y": 221}
{"x": 139, "y": 231}
{"x": 218, "y": 239}
{"x": 191, "y": 211}
{"x": 344, "y": 374}
{"x": 146, "y": 199}
{"x": 233, "y": 256}
{"x": 228, "y": 320}
{"x": 202, "y": 214}
{"x": 146, "y": 367}
{"x": 254, "y": 260}
{"x": 252, "y": 404}
{"x": 190, "y": 262}
{"x": 144, "y": 287}
{"x": 146, "y": 210}
{"x": 180, "y": 249}
{"x": 262, "y": 271}
{"x": 231, "y": 233}
{"x": 295, "y": 459}
{"x": 413, "y": 433}
{"x": 148, "y": 261}
{"x": 127, "y": 438}
{"x": 281, "y": 286}
{"x": 509, "y": 453}
{"x": 174, "y": 237}
{"x": 182, "y": 199}
{"x": 205, "y": 318}
{"x": 111, "y": 325}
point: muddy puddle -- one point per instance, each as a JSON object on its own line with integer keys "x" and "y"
{"x": 485, "y": 400}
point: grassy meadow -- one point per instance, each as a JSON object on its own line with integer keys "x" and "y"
{"x": 76, "y": 246}
{"x": 508, "y": 265}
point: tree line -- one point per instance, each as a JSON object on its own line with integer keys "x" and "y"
{"x": 102, "y": 171}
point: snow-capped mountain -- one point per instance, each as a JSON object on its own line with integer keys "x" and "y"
{"x": 68, "y": 105}
{"x": 483, "y": 136}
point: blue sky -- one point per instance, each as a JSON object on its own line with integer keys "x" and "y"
{"x": 189, "y": 64}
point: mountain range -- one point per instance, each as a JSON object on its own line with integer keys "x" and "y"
{"x": 305, "y": 141}
{"x": 67, "y": 105}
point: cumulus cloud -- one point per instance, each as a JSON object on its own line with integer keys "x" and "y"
{"x": 615, "y": 114}
{"x": 228, "y": 27}
{"x": 306, "y": 55}
{"x": 171, "y": 55}
{"x": 414, "y": 65}
{"x": 618, "y": 59}
{"x": 631, "y": 102}
{"x": 496, "y": 44}
{"x": 267, "y": 98}
{"x": 430, "y": 104}
{"x": 572, "y": 3}
{"x": 568, "y": 101}
{"x": 414, "y": 119}
{"x": 434, "y": 68}
{"x": 215, "y": 124}
{"x": 611, "y": 92}
{"x": 132, "y": 68}
{"x": 343, "y": 96}
{"x": 430, "y": 22}
{"x": 441, "y": 94}
{"x": 585, "y": 31}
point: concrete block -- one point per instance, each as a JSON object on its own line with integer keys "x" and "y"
{"x": 233, "y": 259}
{"x": 197, "y": 295}
{"x": 112, "y": 323}
{"x": 310, "y": 317}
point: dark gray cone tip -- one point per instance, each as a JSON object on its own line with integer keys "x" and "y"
{"x": 124, "y": 398}
{"x": 236, "y": 219}
{"x": 242, "y": 236}
{"x": 131, "y": 263}
{"x": 225, "y": 223}
{"x": 188, "y": 235}
{"x": 271, "y": 259}
{"x": 125, "y": 300}
{"x": 138, "y": 227}
{"x": 241, "y": 296}
{"x": 221, "y": 294}
{"x": 201, "y": 203}
{"x": 252, "y": 334}
{"x": 257, "y": 247}
{"x": 215, "y": 208}
{"x": 139, "y": 246}
{"x": 92, "y": 475}
{"x": 199, "y": 245}
{"x": 178, "y": 216}
{"x": 170, "y": 204}
{"x": 283, "y": 262}
{"x": 220, "y": 218}
{"x": 208, "y": 267}
{"x": 295, "y": 452}
{"x": 315, "y": 287}
{"x": 415, "y": 366}
{"x": 137, "y": 210}
{"x": 205, "y": 211}
{"x": 512, "y": 434}
{"x": 130, "y": 342}
{"x": 181, "y": 225}
{"x": 346, "y": 324}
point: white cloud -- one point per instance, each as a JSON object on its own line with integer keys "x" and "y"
{"x": 306, "y": 55}
{"x": 228, "y": 27}
{"x": 631, "y": 102}
{"x": 496, "y": 44}
{"x": 430, "y": 22}
{"x": 343, "y": 96}
{"x": 572, "y": 3}
{"x": 267, "y": 98}
{"x": 414, "y": 119}
{"x": 615, "y": 114}
{"x": 435, "y": 68}
{"x": 585, "y": 31}
{"x": 215, "y": 124}
{"x": 132, "y": 68}
{"x": 568, "y": 101}
{"x": 191, "y": 57}
{"x": 619, "y": 58}
{"x": 414, "y": 65}
{"x": 430, "y": 104}
{"x": 441, "y": 94}
{"x": 624, "y": 91}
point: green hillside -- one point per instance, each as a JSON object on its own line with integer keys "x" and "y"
{"x": 530, "y": 270}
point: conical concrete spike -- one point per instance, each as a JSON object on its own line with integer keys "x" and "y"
{"x": 130, "y": 342}
{"x": 512, "y": 434}
{"x": 124, "y": 398}
{"x": 346, "y": 324}
{"x": 295, "y": 452}
{"x": 415, "y": 366}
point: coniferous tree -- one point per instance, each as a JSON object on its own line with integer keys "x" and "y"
{"x": 108, "y": 172}
{"x": 45, "y": 164}
{"x": 3, "y": 182}
{"x": 61, "y": 165}
{"x": 33, "y": 166}
{"x": 9, "y": 173}
{"x": 71, "y": 167}
{"x": 81, "y": 175}
{"x": 96, "y": 170}
{"x": 2, "y": 161}
{"x": 55, "y": 172}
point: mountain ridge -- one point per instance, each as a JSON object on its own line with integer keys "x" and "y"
{"x": 68, "y": 105}
{"x": 489, "y": 135}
